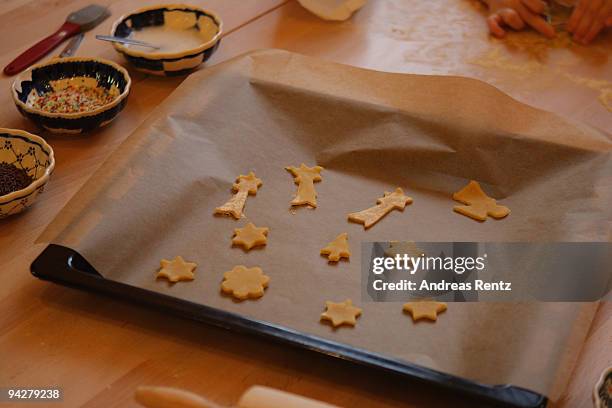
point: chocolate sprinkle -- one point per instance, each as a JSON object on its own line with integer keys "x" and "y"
{"x": 12, "y": 178}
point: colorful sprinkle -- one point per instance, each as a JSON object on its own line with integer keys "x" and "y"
{"x": 73, "y": 99}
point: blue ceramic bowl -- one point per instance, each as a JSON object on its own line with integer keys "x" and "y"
{"x": 173, "y": 58}
{"x": 52, "y": 76}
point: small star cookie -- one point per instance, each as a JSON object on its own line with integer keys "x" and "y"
{"x": 478, "y": 204}
{"x": 176, "y": 269}
{"x": 337, "y": 249}
{"x": 242, "y": 282}
{"x": 424, "y": 309}
{"x": 395, "y": 200}
{"x": 250, "y": 236}
{"x": 341, "y": 313}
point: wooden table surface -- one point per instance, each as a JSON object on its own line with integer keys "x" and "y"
{"x": 99, "y": 349}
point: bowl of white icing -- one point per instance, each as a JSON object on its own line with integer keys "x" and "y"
{"x": 186, "y": 36}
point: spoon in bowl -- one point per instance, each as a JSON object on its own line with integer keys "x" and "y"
{"x": 128, "y": 41}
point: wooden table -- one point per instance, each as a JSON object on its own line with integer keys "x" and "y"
{"x": 99, "y": 349}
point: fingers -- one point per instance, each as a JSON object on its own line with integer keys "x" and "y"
{"x": 592, "y": 33}
{"x": 536, "y": 6}
{"x": 512, "y": 18}
{"x": 505, "y": 16}
{"x": 517, "y": 14}
{"x": 602, "y": 18}
{"x": 606, "y": 14}
{"x": 494, "y": 23}
{"x": 577, "y": 14}
{"x": 535, "y": 21}
{"x": 589, "y": 18}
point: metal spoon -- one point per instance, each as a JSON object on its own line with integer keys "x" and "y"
{"x": 122, "y": 40}
{"x": 72, "y": 46}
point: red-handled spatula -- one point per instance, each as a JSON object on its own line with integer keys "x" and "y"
{"x": 77, "y": 22}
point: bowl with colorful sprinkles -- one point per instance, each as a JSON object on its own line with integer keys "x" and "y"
{"x": 72, "y": 95}
{"x": 26, "y": 163}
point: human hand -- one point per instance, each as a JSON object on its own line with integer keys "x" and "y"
{"x": 589, "y": 18}
{"x": 517, "y": 14}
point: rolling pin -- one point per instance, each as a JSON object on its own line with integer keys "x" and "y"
{"x": 255, "y": 397}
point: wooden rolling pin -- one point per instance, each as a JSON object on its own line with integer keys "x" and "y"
{"x": 255, "y": 397}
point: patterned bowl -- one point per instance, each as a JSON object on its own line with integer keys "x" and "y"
{"x": 602, "y": 394}
{"x": 91, "y": 76}
{"x": 35, "y": 156}
{"x": 166, "y": 22}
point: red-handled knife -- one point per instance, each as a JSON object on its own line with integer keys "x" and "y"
{"x": 77, "y": 22}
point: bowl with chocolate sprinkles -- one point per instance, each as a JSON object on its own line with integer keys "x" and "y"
{"x": 26, "y": 163}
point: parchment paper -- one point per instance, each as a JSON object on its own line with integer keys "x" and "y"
{"x": 154, "y": 198}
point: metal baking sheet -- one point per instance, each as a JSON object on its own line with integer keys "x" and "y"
{"x": 64, "y": 266}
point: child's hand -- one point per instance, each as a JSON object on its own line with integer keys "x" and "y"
{"x": 589, "y": 18}
{"x": 517, "y": 14}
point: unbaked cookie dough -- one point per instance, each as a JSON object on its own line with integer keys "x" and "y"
{"x": 243, "y": 283}
{"x": 341, "y": 313}
{"x": 477, "y": 204}
{"x": 403, "y": 248}
{"x": 250, "y": 236}
{"x": 244, "y": 186}
{"x": 395, "y": 200}
{"x": 305, "y": 177}
{"x": 337, "y": 249}
{"x": 425, "y": 309}
{"x": 176, "y": 270}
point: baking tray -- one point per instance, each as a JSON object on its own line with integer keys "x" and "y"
{"x": 67, "y": 267}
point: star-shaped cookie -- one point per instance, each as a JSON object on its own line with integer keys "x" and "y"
{"x": 425, "y": 309}
{"x": 243, "y": 283}
{"x": 176, "y": 269}
{"x": 341, "y": 313}
{"x": 337, "y": 249}
{"x": 250, "y": 236}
